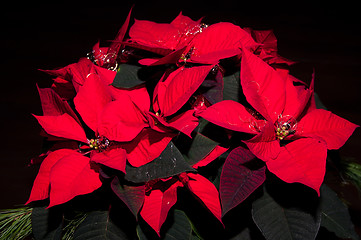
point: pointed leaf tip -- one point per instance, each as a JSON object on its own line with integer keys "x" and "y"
{"x": 237, "y": 180}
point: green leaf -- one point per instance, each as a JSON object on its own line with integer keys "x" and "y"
{"x": 231, "y": 88}
{"x": 47, "y": 223}
{"x": 319, "y": 103}
{"x": 132, "y": 196}
{"x": 70, "y": 225}
{"x": 286, "y": 220}
{"x": 335, "y": 215}
{"x": 99, "y": 225}
{"x": 180, "y": 228}
{"x": 198, "y": 148}
{"x": 239, "y": 180}
{"x": 127, "y": 76}
{"x": 170, "y": 162}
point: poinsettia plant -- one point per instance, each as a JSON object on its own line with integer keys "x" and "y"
{"x": 185, "y": 130}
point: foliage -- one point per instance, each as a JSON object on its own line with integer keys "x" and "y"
{"x": 15, "y": 223}
{"x": 184, "y": 131}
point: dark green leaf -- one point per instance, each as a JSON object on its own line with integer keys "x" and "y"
{"x": 170, "y": 162}
{"x": 99, "y": 225}
{"x": 180, "y": 228}
{"x": 127, "y": 76}
{"x": 213, "y": 87}
{"x": 239, "y": 180}
{"x": 243, "y": 235}
{"x": 289, "y": 220}
{"x": 335, "y": 215}
{"x": 200, "y": 146}
{"x": 132, "y": 196}
{"x": 318, "y": 102}
{"x": 231, "y": 88}
{"x": 46, "y": 223}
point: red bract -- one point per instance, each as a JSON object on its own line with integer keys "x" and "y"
{"x": 215, "y": 42}
{"x": 164, "y": 37}
{"x": 123, "y": 116}
{"x": 218, "y": 41}
{"x": 70, "y": 78}
{"x": 62, "y": 122}
{"x": 161, "y": 194}
{"x": 63, "y": 175}
{"x": 267, "y": 49}
{"x": 291, "y": 136}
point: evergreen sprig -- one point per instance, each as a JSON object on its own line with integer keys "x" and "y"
{"x": 15, "y": 224}
{"x": 352, "y": 171}
{"x": 72, "y": 225}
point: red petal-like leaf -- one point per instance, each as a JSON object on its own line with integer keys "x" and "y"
{"x": 265, "y": 145}
{"x": 63, "y": 126}
{"x": 179, "y": 86}
{"x": 185, "y": 122}
{"x": 172, "y": 57}
{"x": 214, "y": 57}
{"x": 215, "y": 153}
{"x": 91, "y": 99}
{"x": 231, "y": 115}
{"x": 139, "y": 95}
{"x": 64, "y": 88}
{"x": 237, "y": 180}
{"x": 115, "y": 46}
{"x": 153, "y": 34}
{"x": 105, "y": 75}
{"x": 132, "y": 196}
{"x": 147, "y": 146}
{"x": 266, "y": 38}
{"x": 333, "y": 129}
{"x": 302, "y": 161}
{"x": 263, "y": 87}
{"x": 158, "y": 50}
{"x": 62, "y": 144}
{"x": 41, "y": 186}
{"x": 71, "y": 176}
{"x": 53, "y": 105}
{"x": 114, "y": 158}
{"x": 297, "y": 98}
{"x": 206, "y": 192}
{"x": 79, "y": 72}
{"x": 157, "y": 205}
{"x": 121, "y": 120}
{"x": 222, "y": 39}
{"x": 187, "y": 27}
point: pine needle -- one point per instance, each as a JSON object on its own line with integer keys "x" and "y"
{"x": 15, "y": 224}
{"x": 72, "y": 225}
{"x": 352, "y": 171}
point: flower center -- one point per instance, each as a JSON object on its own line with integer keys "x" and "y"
{"x": 100, "y": 143}
{"x": 285, "y": 126}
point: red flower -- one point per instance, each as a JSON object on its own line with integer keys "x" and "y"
{"x": 123, "y": 116}
{"x": 62, "y": 122}
{"x": 161, "y": 194}
{"x": 291, "y": 136}
{"x": 64, "y": 173}
{"x": 70, "y": 78}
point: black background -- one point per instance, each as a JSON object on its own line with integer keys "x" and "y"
{"x": 324, "y": 35}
